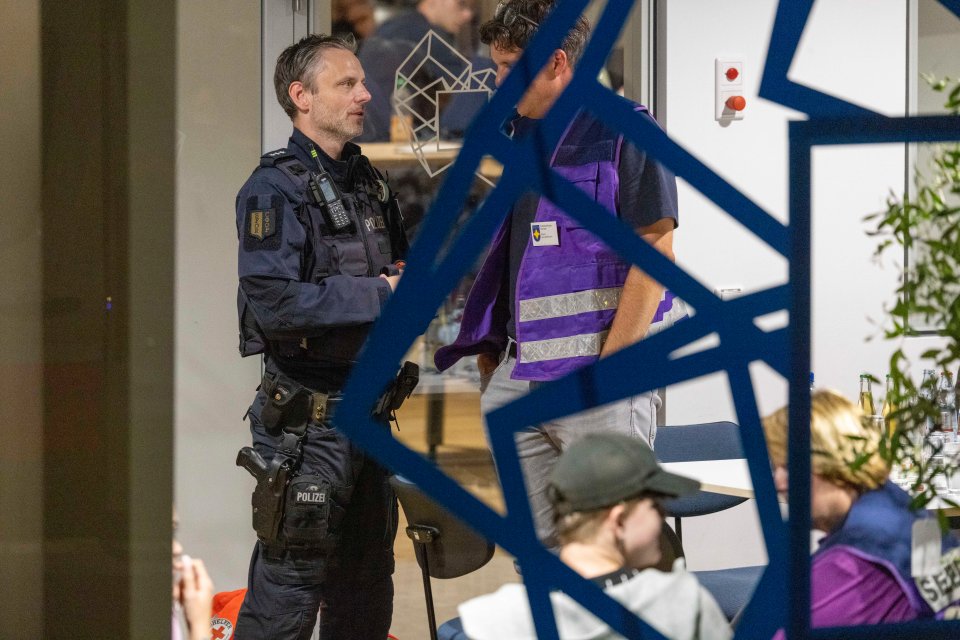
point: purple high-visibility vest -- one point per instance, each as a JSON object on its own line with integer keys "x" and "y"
{"x": 566, "y": 295}
{"x": 878, "y": 529}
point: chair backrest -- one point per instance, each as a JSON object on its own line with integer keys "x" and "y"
{"x": 671, "y": 548}
{"x": 687, "y": 443}
{"x": 709, "y": 441}
{"x": 458, "y": 549}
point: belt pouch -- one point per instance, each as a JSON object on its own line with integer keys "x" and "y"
{"x": 287, "y": 405}
{"x": 306, "y": 522}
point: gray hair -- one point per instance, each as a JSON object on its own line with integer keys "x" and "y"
{"x": 301, "y": 62}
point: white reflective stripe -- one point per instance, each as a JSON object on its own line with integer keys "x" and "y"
{"x": 569, "y": 304}
{"x": 588, "y": 344}
{"x": 676, "y": 313}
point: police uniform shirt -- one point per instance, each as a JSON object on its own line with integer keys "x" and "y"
{"x": 273, "y": 245}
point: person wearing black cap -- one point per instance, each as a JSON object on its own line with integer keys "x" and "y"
{"x": 607, "y": 491}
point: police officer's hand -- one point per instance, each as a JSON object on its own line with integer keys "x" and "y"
{"x": 393, "y": 280}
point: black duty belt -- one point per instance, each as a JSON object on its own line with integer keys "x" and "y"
{"x": 322, "y": 406}
{"x": 290, "y": 404}
{"x": 336, "y": 348}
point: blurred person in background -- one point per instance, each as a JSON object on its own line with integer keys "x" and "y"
{"x": 445, "y": 17}
{"x": 353, "y": 17}
{"x": 861, "y": 573}
{"x": 394, "y": 40}
{"x": 192, "y": 593}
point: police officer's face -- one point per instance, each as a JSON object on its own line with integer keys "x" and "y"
{"x": 338, "y": 96}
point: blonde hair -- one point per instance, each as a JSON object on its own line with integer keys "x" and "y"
{"x": 580, "y": 526}
{"x": 583, "y": 526}
{"x": 843, "y": 442}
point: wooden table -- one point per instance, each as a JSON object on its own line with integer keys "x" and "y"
{"x": 390, "y": 155}
{"x": 729, "y": 477}
{"x": 732, "y": 478}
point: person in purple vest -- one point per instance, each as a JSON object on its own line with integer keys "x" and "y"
{"x": 551, "y": 297}
{"x": 862, "y": 573}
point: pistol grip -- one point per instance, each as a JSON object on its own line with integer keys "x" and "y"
{"x": 250, "y": 460}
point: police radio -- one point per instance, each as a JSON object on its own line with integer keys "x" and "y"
{"x": 323, "y": 191}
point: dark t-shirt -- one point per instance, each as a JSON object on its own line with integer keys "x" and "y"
{"x": 386, "y": 51}
{"x": 410, "y": 25}
{"x": 648, "y": 193}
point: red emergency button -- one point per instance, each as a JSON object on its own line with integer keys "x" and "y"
{"x": 736, "y": 103}
{"x": 732, "y": 74}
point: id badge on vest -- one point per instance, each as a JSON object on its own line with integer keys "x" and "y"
{"x": 544, "y": 234}
{"x": 936, "y": 575}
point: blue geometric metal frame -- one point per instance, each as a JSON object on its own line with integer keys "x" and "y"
{"x": 443, "y": 253}
{"x": 869, "y": 129}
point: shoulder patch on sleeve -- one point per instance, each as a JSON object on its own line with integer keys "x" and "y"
{"x": 263, "y": 225}
{"x": 270, "y": 158}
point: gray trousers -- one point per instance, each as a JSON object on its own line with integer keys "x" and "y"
{"x": 539, "y": 446}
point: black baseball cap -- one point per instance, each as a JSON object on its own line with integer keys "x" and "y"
{"x": 601, "y": 470}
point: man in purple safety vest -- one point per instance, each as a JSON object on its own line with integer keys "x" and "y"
{"x": 551, "y": 297}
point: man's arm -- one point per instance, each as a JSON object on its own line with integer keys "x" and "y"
{"x": 272, "y": 243}
{"x": 641, "y": 293}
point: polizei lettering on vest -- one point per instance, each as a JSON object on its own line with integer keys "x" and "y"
{"x": 312, "y": 497}
{"x": 374, "y": 223}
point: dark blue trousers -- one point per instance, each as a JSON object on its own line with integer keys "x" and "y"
{"x": 350, "y": 583}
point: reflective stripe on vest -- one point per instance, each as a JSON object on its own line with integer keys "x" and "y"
{"x": 588, "y": 344}
{"x": 569, "y": 304}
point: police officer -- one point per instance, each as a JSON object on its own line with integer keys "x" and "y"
{"x": 318, "y": 246}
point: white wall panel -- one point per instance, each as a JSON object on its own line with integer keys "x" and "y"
{"x": 853, "y": 50}
{"x": 218, "y": 147}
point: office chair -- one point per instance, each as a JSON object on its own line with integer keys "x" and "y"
{"x": 711, "y": 441}
{"x": 445, "y": 547}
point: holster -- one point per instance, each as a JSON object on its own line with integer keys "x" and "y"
{"x": 268, "y": 496}
{"x": 397, "y": 391}
{"x": 291, "y": 510}
{"x": 289, "y": 407}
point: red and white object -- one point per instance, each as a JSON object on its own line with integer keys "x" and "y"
{"x": 730, "y": 102}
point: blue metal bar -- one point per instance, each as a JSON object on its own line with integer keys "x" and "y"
{"x": 798, "y": 458}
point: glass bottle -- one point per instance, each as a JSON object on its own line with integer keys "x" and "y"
{"x": 948, "y": 405}
{"x": 889, "y": 407}
{"x": 866, "y": 396}
{"x": 956, "y": 394}
{"x": 926, "y": 394}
